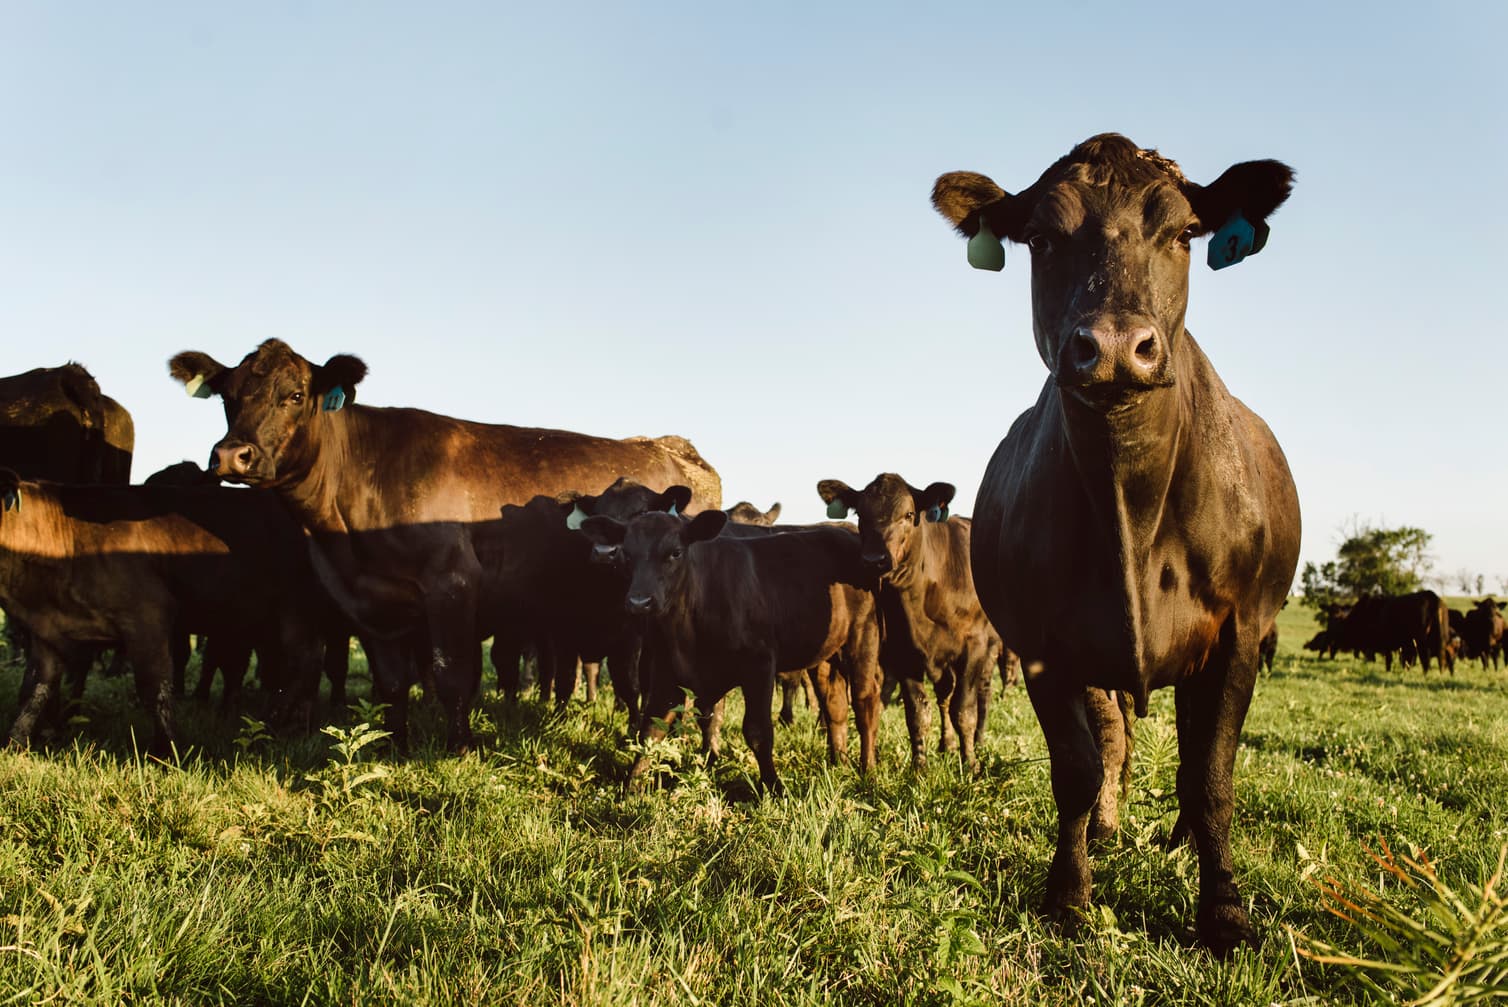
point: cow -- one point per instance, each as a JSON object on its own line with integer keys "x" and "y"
{"x": 393, "y": 499}
{"x": 1409, "y": 625}
{"x": 744, "y": 512}
{"x": 1267, "y": 650}
{"x": 1138, "y": 526}
{"x": 129, "y": 566}
{"x": 934, "y": 629}
{"x": 56, "y": 424}
{"x": 725, "y": 611}
{"x": 1482, "y": 631}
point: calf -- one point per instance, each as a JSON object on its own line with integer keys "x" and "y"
{"x": 1138, "y": 526}
{"x": 722, "y": 612}
{"x": 934, "y": 628}
{"x": 128, "y": 566}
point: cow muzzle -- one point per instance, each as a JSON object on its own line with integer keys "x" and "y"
{"x": 878, "y": 563}
{"x": 1100, "y": 356}
{"x": 640, "y": 604}
{"x": 236, "y": 461}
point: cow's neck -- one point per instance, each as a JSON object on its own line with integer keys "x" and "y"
{"x": 321, "y": 490}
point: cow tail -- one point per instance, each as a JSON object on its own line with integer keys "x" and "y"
{"x": 1128, "y": 721}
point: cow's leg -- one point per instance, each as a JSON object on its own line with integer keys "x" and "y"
{"x": 1112, "y": 735}
{"x": 787, "y": 698}
{"x": 181, "y": 653}
{"x": 337, "y": 665}
{"x": 1077, "y": 778}
{"x": 455, "y": 657}
{"x": 709, "y": 718}
{"x": 152, "y": 659}
{"x": 392, "y": 672}
{"x": 591, "y": 672}
{"x": 567, "y": 670}
{"x": 662, "y": 703}
{"x": 505, "y": 657}
{"x": 963, "y": 710}
{"x": 234, "y": 660}
{"x": 759, "y": 731}
{"x": 943, "y": 687}
{"x": 1211, "y": 709}
{"x": 918, "y": 718}
{"x": 624, "y": 662}
{"x": 866, "y": 683}
{"x": 833, "y": 693}
{"x": 45, "y": 666}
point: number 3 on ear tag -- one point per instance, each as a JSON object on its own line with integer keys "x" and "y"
{"x": 1235, "y": 240}
{"x": 985, "y": 250}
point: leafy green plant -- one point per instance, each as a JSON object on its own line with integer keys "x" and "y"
{"x": 253, "y": 735}
{"x": 1451, "y": 949}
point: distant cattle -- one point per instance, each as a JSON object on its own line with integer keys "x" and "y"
{"x": 934, "y": 629}
{"x": 723, "y": 612}
{"x": 1482, "y": 631}
{"x": 1138, "y": 526}
{"x": 394, "y": 500}
{"x": 1385, "y": 626}
{"x": 744, "y": 512}
{"x": 130, "y": 566}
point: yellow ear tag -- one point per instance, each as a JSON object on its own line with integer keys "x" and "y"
{"x": 985, "y": 250}
{"x": 198, "y": 387}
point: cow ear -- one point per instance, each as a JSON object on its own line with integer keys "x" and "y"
{"x": 773, "y": 514}
{"x": 603, "y": 530}
{"x": 202, "y": 375}
{"x": 335, "y": 383}
{"x": 1253, "y": 189}
{"x": 674, "y": 500}
{"x": 933, "y": 501}
{"x": 967, "y": 198}
{"x": 839, "y": 497}
{"x": 705, "y": 525}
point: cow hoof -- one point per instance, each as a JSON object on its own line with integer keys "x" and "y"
{"x": 1223, "y": 927}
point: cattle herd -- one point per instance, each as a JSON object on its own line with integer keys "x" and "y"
{"x": 1137, "y": 528}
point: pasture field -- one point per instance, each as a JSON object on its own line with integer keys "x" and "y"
{"x": 300, "y": 870}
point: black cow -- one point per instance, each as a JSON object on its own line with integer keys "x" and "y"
{"x": 1138, "y": 526}
{"x": 56, "y": 424}
{"x": 1482, "y": 631}
{"x": 723, "y": 612}
{"x": 1407, "y": 625}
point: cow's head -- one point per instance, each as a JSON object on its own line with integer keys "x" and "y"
{"x": 623, "y": 501}
{"x": 744, "y": 512}
{"x": 654, "y": 549}
{"x": 890, "y": 512}
{"x": 1109, "y": 227}
{"x": 273, "y": 399}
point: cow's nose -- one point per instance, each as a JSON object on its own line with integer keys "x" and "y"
{"x": 639, "y": 604}
{"x": 234, "y": 459}
{"x": 879, "y": 562}
{"x": 1125, "y": 355}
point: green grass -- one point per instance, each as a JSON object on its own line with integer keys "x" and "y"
{"x": 524, "y": 874}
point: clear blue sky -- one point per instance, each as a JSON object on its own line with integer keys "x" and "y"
{"x": 713, "y": 220}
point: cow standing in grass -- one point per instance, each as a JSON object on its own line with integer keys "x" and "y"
{"x": 1138, "y": 526}
{"x": 934, "y": 629}
{"x": 401, "y": 504}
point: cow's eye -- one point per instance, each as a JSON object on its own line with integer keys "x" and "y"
{"x": 1188, "y": 234}
{"x": 1039, "y": 242}
{"x": 297, "y": 398}
{"x": 911, "y": 515}
{"x": 675, "y": 554}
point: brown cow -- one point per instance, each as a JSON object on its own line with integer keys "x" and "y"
{"x": 127, "y": 566}
{"x": 935, "y": 630}
{"x": 1138, "y": 526}
{"x": 397, "y": 502}
{"x": 724, "y": 612}
{"x": 1482, "y": 631}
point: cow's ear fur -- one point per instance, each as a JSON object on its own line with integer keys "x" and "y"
{"x": 676, "y": 496}
{"x": 773, "y": 514}
{"x": 836, "y": 489}
{"x": 1253, "y": 188}
{"x": 935, "y": 495}
{"x": 191, "y": 364}
{"x": 966, "y": 197}
{"x": 705, "y": 525}
{"x": 341, "y": 371}
{"x": 603, "y": 530}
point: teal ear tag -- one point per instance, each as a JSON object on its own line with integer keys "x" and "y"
{"x": 11, "y": 498}
{"x": 198, "y": 387}
{"x": 672, "y": 511}
{"x": 334, "y": 399}
{"x": 937, "y": 512}
{"x": 837, "y": 510}
{"x": 574, "y": 519}
{"x": 985, "y": 250}
{"x": 1235, "y": 240}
